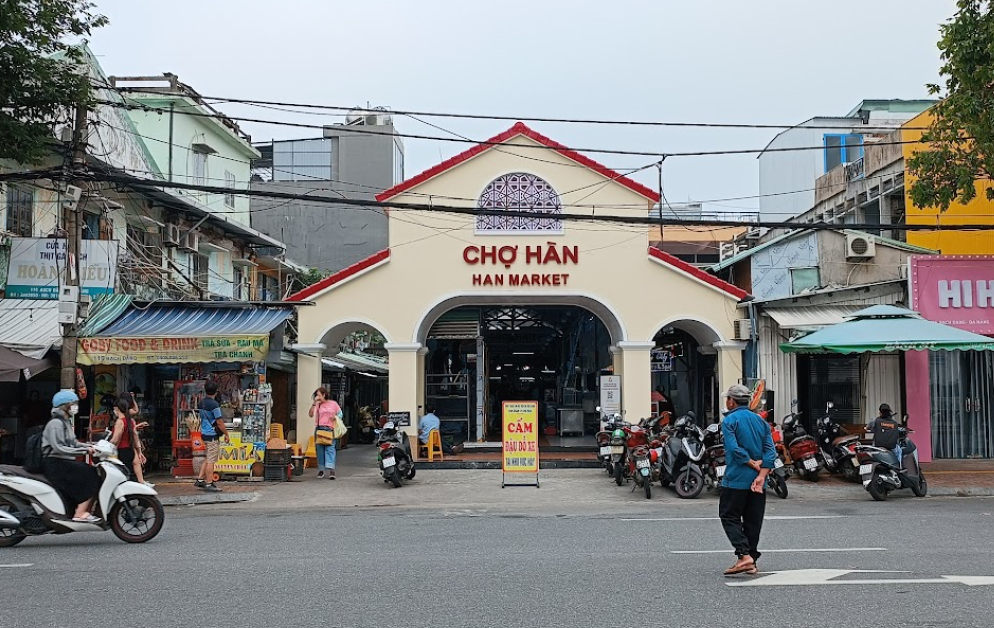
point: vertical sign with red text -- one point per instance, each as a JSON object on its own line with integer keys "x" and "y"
{"x": 519, "y": 443}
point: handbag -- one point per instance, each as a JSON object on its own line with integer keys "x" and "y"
{"x": 324, "y": 436}
{"x": 340, "y": 428}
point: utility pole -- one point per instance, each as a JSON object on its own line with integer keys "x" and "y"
{"x": 73, "y": 227}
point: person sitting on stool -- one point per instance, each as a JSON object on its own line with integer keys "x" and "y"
{"x": 431, "y": 422}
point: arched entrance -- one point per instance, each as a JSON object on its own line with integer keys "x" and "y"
{"x": 685, "y": 368}
{"x": 478, "y": 353}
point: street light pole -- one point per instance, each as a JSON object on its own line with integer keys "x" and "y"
{"x": 71, "y": 220}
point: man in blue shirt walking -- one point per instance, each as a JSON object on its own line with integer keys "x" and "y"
{"x": 750, "y": 455}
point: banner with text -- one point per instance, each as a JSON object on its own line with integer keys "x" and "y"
{"x": 38, "y": 267}
{"x": 197, "y": 349}
{"x": 520, "y": 440}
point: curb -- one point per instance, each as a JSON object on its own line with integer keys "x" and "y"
{"x": 215, "y": 498}
{"x": 496, "y": 464}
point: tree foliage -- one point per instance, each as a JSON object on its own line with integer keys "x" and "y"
{"x": 960, "y": 151}
{"x": 40, "y": 76}
{"x": 309, "y": 278}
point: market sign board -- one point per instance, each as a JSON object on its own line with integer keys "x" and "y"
{"x": 191, "y": 349}
{"x": 237, "y": 457}
{"x": 610, "y": 394}
{"x": 955, "y": 290}
{"x": 519, "y": 442}
{"x": 38, "y": 267}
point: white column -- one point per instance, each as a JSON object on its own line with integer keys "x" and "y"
{"x": 404, "y": 360}
{"x": 729, "y": 364}
{"x": 616, "y": 361}
{"x": 308, "y": 380}
{"x": 636, "y": 379}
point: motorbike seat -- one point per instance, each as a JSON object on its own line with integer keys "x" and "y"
{"x": 844, "y": 439}
{"x": 798, "y": 440}
{"x": 10, "y": 469}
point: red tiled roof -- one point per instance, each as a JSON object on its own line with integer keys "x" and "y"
{"x": 690, "y": 269}
{"x": 340, "y": 276}
{"x": 519, "y": 128}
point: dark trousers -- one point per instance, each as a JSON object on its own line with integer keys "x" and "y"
{"x": 741, "y": 512}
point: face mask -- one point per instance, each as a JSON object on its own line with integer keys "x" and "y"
{"x": 73, "y": 409}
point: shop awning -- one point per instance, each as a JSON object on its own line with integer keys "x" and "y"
{"x": 811, "y": 316}
{"x": 178, "y": 334}
{"x": 30, "y": 326}
{"x": 14, "y": 365}
{"x": 888, "y": 328}
{"x": 106, "y": 309}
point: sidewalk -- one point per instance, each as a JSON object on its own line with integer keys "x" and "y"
{"x": 359, "y": 487}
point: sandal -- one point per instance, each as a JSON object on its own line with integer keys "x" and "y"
{"x": 741, "y": 567}
{"x": 86, "y": 519}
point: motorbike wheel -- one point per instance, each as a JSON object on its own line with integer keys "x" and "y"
{"x": 411, "y": 473}
{"x": 150, "y": 515}
{"x": 689, "y": 484}
{"x": 609, "y": 467}
{"x": 850, "y": 473}
{"x": 877, "y": 491}
{"x": 811, "y": 476}
{"x": 647, "y": 485}
{"x": 619, "y": 473}
{"x": 922, "y": 489}
{"x": 395, "y": 478}
{"x": 778, "y": 484}
{"x": 8, "y": 537}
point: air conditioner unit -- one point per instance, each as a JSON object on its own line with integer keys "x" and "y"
{"x": 860, "y": 246}
{"x": 171, "y": 235}
{"x": 743, "y": 329}
{"x": 191, "y": 242}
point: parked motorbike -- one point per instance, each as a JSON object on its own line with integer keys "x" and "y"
{"x": 682, "y": 456}
{"x": 803, "y": 448}
{"x": 394, "y": 455}
{"x": 366, "y": 432}
{"x": 882, "y": 473}
{"x": 31, "y": 506}
{"x": 838, "y": 449}
{"x": 638, "y": 463}
{"x": 714, "y": 460}
{"x": 619, "y": 451}
{"x": 611, "y": 422}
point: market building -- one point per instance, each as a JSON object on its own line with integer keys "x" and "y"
{"x": 477, "y": 309}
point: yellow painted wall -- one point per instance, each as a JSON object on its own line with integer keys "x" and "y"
{"x": 427, "y": 267}
{"x": 978, "y": 211}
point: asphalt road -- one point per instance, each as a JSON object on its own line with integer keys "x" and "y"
{"x": 531, "y": 566}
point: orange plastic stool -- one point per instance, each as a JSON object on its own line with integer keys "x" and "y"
{"x": 434, "y": 445}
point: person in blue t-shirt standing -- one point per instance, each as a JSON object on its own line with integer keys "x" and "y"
{"x": 212, "y": 428}
{"x": 750, "y": 455}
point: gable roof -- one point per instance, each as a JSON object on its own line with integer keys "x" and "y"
{"x": 696, "y": 273}
{"x": 346, "y": 273}
{"x": 520, "y": 128}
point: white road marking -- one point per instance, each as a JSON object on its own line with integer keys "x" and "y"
{"x": 17, "y": 565}
{"x": 814, "y": 577}
{"x": 783, "y": 551}
{"x": 771, "y": 518}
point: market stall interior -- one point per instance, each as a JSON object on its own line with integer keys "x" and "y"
{"x": 479, "y": 357}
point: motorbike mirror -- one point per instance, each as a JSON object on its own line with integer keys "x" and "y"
{"x": 830, "y": 405}
{"x": 598, "y": 408}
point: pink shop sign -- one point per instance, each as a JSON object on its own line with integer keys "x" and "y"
{"x": 956, "y": 290}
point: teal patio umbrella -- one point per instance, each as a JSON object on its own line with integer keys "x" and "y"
{"x": 885, "y": 328}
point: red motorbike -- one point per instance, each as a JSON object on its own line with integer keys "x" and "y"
{"x": 803, "y": 448}
{"x": 638, "y": 462}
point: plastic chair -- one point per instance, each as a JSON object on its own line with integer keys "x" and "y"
{"x": 434, "y": 445}
{"x": 310, "y": 455}
{"x": 275, "y": 431}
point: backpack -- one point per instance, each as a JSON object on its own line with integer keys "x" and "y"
{"x": 33, "y": 454}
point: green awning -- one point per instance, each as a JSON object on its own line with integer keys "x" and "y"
{"x": 885, "y": 328}
{"x": 106, "y": 309}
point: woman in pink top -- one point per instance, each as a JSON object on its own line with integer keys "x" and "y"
{"x": 326, "y": 411}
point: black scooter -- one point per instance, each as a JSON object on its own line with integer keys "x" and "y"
{"x": 882, "y": 473}
{"x": 394, "y": 455}
{"x": 682, "y": 456}
{"x": 838, "y": 449}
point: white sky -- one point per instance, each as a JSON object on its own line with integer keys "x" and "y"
{"x": 755, "y": 61}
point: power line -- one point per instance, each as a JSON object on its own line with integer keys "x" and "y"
{"x": 276, "y": 105}
{"x": 611, "y": 151}
{"x": 473, "y": 211}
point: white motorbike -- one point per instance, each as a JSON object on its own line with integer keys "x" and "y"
{"x": 30, "y": 506}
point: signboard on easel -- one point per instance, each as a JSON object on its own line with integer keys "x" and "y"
{"x": 519, "y": 442}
